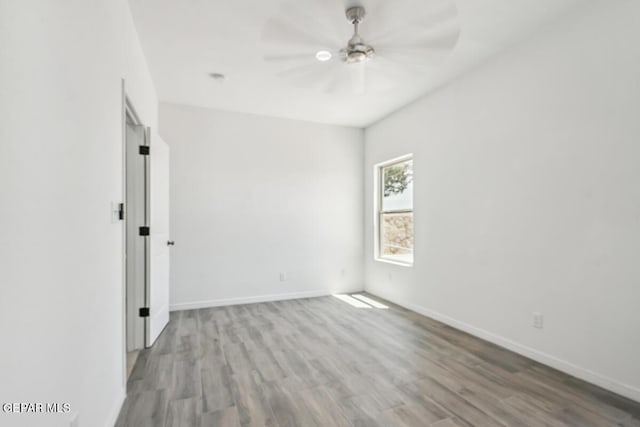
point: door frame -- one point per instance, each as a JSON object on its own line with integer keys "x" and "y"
{"x": 147, "y": 241}
{"x": 128, "y": 111}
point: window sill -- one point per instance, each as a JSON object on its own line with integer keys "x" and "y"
{"x": 394, "y": 262}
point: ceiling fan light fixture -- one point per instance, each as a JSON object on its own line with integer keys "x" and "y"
{"x": 359, "y": 53}
{"x": 354, "y": 57}
{"x": 323, "y": 55}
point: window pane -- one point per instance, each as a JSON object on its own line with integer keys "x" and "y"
{"x": 396, "y": 236}
{"x": 397, "y": 189}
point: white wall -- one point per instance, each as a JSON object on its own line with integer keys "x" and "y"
{"x": 527, "y": 198}
{"x": 61, "y": 292}
{"x": 252, "y": 197}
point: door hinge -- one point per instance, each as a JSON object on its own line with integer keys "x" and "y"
{"x": 144, "y": 311}
{"x": 144, "y": 150}
{"x": 121, "y": 211}
{"x": 145, "y": 231}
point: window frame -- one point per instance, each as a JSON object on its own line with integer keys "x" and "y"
{"x": 379, "y": 211}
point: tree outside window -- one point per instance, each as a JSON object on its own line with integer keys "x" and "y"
{"x": 396, "y": 212}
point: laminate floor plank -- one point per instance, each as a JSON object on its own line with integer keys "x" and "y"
{"x": 633, "y": 422}
{"x": 323, "y": 408}
{"x": 184, "y": 413}
{"x": 578, "y": 397}
{"x": 361, "y": 411}
{"x": 456, "y": 404}
{"x": 534, "y": 414}
{"x": 187, "y": 379}
{"x": 289, "y": 409}
{"x": 449, "y": 422}
{"x": 251, "y": 402}
{"x": 412, "y": 414}
{"x": 216, "y": 388}
{"x": 227, "y": 417}
{"x": 146, "y": 409}
{"x": 322, "y": 362}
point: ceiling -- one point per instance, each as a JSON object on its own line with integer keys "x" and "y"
{"x": 186, "y": 40}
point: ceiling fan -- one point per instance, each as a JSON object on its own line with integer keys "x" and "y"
{"x": 405, "y": 38}
{"x": 357, "y": 51}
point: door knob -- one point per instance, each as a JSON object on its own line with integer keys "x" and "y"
{"x": 170, "y": 243}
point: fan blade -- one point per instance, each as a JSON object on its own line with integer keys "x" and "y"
{"x": 289, "y": 57}
{"x": 293, "y": 33}
{"x": 337, "y": 80}
{"x": 432, "y": 40}
{"x": 328, "y": 77}
{"x": 411, "y": 61}
{"x": 412, "y": 57}
{"x": 336, "y": 84}
{"x": 445, "y": 16}
{"x": 299, "y": 70}
{"x": 356, "y": 72}
{"x": 392, "y": 69}
{"x": 299, "y": 58}
{"x": 321, "y": 16}
{"x": 423, "y": 52}
{"x": 314, "y": 69}
{"x": 380, "y": 78}
{"x": 324, "y": 17}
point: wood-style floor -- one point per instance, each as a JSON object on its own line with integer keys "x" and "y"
{"x": 323, "y": 362}
{"x": 132, "y": 356}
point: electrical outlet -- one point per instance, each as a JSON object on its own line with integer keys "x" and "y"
{"x": 390, "y": 278}
{"x": 283, "y": 276}
{"x": 538, "y": 320}
{"x": 343, "y": 272}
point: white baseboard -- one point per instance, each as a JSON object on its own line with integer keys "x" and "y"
{"x": 610, "y": 384}
{"x": 251, "y": 300}
{"x": 115, "y": 411}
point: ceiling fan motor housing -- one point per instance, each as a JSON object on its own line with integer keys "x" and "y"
{"x": 355, "y": 14}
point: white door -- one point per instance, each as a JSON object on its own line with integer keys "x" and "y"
{"x": 158, "y": 241}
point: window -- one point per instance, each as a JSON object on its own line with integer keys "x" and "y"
{"x": 395, "y": 211}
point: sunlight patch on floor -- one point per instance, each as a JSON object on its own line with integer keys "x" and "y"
{"x": 352, "y": 301}
{"x": 360, "y": 301}
{"x": 370, "y": 301}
